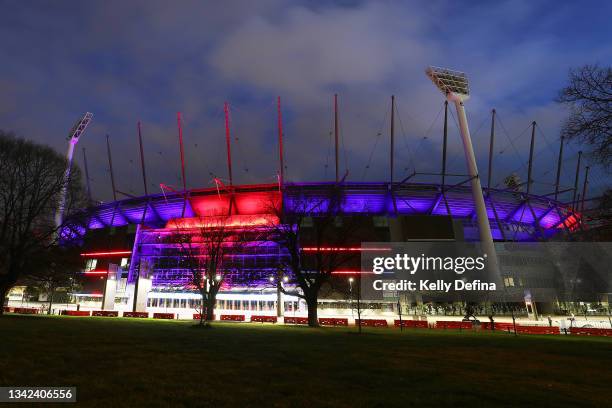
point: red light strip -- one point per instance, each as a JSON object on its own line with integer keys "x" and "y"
{"x": 342, "y": 249}
{"x": 95, "y": 273}
{"x": 109, "y": 253}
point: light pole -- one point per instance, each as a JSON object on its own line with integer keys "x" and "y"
{"x": 73, "y": 139}
{"x": 455, "y": 86}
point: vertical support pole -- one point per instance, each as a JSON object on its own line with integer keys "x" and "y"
{"x": 87, "y": 176}
{"x": 584, "y": 188}
{"x": 559, "y": 161}
{"x": 180, "y": 132}
{"x": 530, "y": 167}
{"x": 135, "y": 266}
{"x": 142, "y": 162}
{"x": 336, "y": 133}
{"x": 228, "y": 142}
{"x": 490, "y": 175}
{"x": 392, "y": 136}
{"x": 444, "y": 143}
{"x": 491, "y": 147}
{"x": 576, "y": 181}
{"x": 280, "y": 142}
{"x": 444, "y": 146}
{"x": 110, "y": 167}
{"x": 484, "y": 227}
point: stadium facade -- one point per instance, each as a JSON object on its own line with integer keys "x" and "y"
{"x": 131, "y": 263}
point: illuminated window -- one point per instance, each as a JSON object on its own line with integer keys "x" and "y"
{"x": 509, "y": 282}
{"x": 124, "y": 262}
{"x": 90, "y": 265}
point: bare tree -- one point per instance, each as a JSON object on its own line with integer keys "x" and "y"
{"x": 206, "y": 250}
{"x": 56, "y": 268}
{"x": 314, "y": 224}
{"x": 31, "y": 181}
{"x": 589, "y": 97}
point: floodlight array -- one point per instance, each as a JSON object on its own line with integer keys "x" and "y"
{"x": 449, "y": 81}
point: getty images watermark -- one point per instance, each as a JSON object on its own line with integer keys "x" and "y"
{"x": 450, "y": 271}
{"x": 405, "y": 263}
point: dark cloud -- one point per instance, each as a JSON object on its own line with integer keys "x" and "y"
{"x": 146, "y": 60}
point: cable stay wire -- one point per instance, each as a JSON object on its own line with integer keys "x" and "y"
{"x": 405, "y": 137}
{"x": 376, "y": 141}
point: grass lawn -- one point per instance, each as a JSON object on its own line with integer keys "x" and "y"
{"x": 123, "y": 362}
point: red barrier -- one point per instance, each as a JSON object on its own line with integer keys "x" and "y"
{"x": 590, "y": 331}
{"x": 371, "y": 322}
{"x": 7, "y": 309}
{"x": 25, "y": 310}
{"x": 140, "y": 315}
{"x": 537, "y": 329}
{"x": 105, "y": 313}
{"x": 296, "y": 320}
{"x": 196, "y": 316}
{"x": 232, "y": 318}
{"x": 75, "y": 313}
{"x": 333, "y": 321}
{"x": 507, "y": 327}
{"x": 451, "y": 324}
{"x": 168, "y": 316}
{"x": 412, "y": 324}
{"x": 264, "y": 319}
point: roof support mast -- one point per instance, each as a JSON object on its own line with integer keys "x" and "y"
{"x": 490, "y": 175}
{"x": 336, "y": 133}
{"x": 574, "y": 203}
{"x": 530, "y": 165}
{"x": 142, "y": 162}
{"x": 281, "y": 179}
{"x": 110, "y": 168}
{"x": 584, "y": 188}
{"x": 491, "y": 144}
{"x": 180, "y": 132}
{"x": 228, "y": 142}
{"x": 444, "y": 145}
{"x": 559, "y": 161}
{"x": 392, "y": 138}
{"x": 455, "y": 86}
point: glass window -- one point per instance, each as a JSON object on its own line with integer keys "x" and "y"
{"x": 90, "y": 265}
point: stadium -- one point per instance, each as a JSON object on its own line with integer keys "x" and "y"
{"x": 135, "y": 259}
{"x": 122, "y": 236}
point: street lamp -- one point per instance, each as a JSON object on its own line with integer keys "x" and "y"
{"x": 455, "y": 86}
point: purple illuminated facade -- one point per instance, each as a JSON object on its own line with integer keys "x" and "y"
{"x": 513, "y": 217}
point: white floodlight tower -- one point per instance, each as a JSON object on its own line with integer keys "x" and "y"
{"x": 455, "y": 86}
{"x": 73, "y": 139}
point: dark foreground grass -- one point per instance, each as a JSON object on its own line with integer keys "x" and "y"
{"x": 120, "y": 362}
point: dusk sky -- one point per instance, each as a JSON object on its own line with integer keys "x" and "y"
{"x": 147, "y": 60}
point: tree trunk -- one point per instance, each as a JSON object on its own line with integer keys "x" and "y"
{"x": 210, "y": 307}
{"x": 4, "y": 288}
{"x": 311, "y": 302}
{"x": 202, "y": 308}
{"x": 50, "y": 302}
